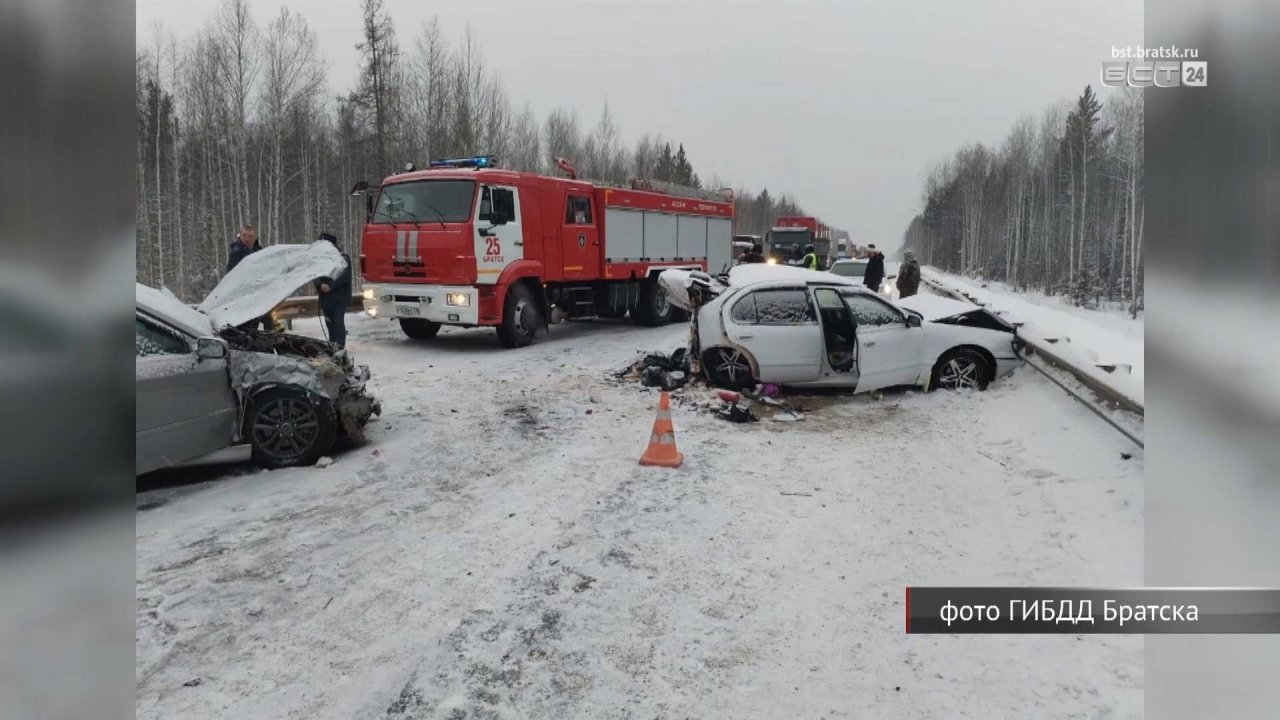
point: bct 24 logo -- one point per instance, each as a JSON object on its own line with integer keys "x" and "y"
{"x": 1158, "y": 73}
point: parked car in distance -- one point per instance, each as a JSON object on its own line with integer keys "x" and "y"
{"x": 856, "y": 269}
{"x": 788, "y": 326}
{"x": 203, "y": 383}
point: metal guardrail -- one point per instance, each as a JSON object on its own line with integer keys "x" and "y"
{"x": 1115, "y": 400}
{"x": 309, "y": 306}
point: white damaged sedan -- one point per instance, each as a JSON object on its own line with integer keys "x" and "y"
{"x": 797, "y": 327}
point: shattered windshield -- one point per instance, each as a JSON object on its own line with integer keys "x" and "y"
{"x": 425, "y": 200}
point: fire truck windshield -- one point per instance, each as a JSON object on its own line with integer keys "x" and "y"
{"x": 446, "y": 201}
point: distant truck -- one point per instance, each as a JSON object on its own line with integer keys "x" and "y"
{"x": 466, "y": 244}
{"x": 742, "y": 244}
{"x": 790, "y": 235}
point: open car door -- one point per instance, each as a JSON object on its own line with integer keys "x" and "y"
{"x": 839, "y": 333}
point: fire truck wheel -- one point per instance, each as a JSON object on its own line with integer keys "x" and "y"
{"x": 654, "y": 308}
{"x": 519, "y": 317}
{"x": 419, "y": 329}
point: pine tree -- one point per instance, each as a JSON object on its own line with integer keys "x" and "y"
{"x": 683, "y": 171}
{"x": 665, "y": 168}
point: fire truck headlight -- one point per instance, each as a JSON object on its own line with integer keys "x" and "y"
{"x": 458, "y": 299}
{"x": 367, "y": 294}
{"x": 773, "y": 261}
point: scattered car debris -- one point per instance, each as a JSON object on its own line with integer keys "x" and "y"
{"x": 730, "y": 396}
{"x": 734, "y": 413}
{"x": 659, "y": 370}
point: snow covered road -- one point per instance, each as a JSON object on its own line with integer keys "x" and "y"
{"x": 495, "y": 551}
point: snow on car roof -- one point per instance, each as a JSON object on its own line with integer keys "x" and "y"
{"x": 751, "y": 273}
{"x": 166, "y": 306}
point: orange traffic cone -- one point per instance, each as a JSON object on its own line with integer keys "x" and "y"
{"x": 662, "y": 444}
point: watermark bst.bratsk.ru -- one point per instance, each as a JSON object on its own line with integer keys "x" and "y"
{"x": 1169, "y": 66}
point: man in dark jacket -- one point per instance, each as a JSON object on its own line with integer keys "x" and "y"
{"x": 908, "y": 276}
{"x": 335, "y": 296}
{"x": 874, "y": 274}
{"x": 755, "y": 256}
{"x": 246, "y": 244}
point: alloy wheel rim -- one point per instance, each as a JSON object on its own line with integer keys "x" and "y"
{"x": 958, "y": 374}
{"x": 286, "y": 427}
{"x": 732, "y": 366}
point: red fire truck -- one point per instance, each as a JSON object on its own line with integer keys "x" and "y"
{"x": 465, "y": 243}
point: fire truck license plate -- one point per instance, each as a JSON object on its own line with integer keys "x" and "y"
{"x": 409, "y": 310}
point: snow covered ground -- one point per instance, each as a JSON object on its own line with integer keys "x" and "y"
{"x": 1087, "y": 338}
{"x": 494, "y": 551}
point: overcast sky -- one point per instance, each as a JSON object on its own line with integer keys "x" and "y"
{"x": 842, "y": 104}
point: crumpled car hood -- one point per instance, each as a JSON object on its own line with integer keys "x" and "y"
{"x": 953, "y": 312}
{"x": 266, "y": 278}
{"x": 933, "y": 307}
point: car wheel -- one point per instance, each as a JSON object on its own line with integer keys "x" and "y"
{"x": 654, "y": 308}
{"x": 961, "y": 369}
{"x": 419, "y": 329}
{"x": 289, "y": 427}
{"x": 520, "y": 318}
{"x": 728, "y": 368}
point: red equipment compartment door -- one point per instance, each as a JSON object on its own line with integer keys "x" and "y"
{"x": 580, "y": 238}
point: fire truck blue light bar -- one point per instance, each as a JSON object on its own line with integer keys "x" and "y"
{"x": 479, "y": 161}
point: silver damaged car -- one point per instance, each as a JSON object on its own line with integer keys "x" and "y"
{"x": 205, "y": 383}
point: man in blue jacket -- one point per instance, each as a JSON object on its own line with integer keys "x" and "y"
{"x": 335, "y": 297}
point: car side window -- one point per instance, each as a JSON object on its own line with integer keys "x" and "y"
{"x": 744, "y": 311}
{"x": 869, "y": 311}
{"x": 152, "y": 340}
{"x": 783, "y": 307}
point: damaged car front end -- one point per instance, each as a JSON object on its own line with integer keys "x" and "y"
{"x": 262, "y": 360}
{"x": 206, "y": 379}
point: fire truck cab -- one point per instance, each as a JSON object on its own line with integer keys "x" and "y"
{"x": 464, "y": 243}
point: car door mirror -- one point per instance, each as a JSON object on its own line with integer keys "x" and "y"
{"x": 498, "y": 217}
{"x": 913, "y": 321}
{"x": 211, "y": 348}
